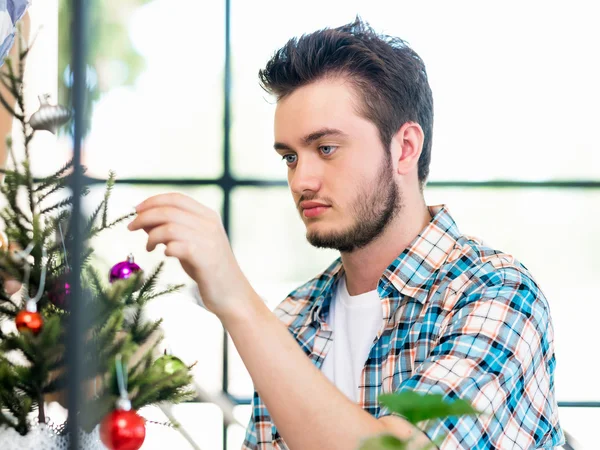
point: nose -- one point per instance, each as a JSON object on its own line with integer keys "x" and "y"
{"x": 306, "y": 176}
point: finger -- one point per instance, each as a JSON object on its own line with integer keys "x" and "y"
{"x": 160, "y": 215}
{"x": 176, "y": 200}
{"x": 177, "y": 249}
{"x": 165, "y": 234}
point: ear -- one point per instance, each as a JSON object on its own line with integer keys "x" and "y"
{"x": 407, "y": 145}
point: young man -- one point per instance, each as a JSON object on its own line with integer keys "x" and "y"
{"x": 411, "y": 304}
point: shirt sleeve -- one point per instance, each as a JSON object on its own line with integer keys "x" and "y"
{"x": 495, "y": 351}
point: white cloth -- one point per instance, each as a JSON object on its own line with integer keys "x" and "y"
{"x": 355, "y": 321}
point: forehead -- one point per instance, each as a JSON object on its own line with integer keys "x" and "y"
{"x": 328, "y": 103}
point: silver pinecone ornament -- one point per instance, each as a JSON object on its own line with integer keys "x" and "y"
{"x": 49, "y": 117}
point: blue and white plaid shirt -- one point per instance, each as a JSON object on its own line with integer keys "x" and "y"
{"x": 459, "y": 318}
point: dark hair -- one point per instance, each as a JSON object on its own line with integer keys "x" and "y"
{"x": 389, "y": 75}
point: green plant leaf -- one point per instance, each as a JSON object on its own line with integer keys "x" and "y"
{"x": 383, "y": 442}
{"x": 416, "y": 407}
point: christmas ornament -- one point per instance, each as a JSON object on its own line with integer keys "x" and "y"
{"x": 122, "y": 429}
{"x": 60, "y": 291}
{"x": 29, "y": 319}
{"x": 168, "y": 365}
{"x": 124, "y": 270}
{"x": 49, "y": 117}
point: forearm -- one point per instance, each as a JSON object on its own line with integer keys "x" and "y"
{"x": 308, "y": 410}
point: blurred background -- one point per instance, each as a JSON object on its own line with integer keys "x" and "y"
{"x": 176, "y": 106}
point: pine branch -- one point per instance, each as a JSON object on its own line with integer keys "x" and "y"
{"x": 110, "y": 184}
{"x": 55, "y": 177}
{"x": 13, "y": 399}
{"x": 17, "y": 84}
{"x": 11, "y": 111}
{"x": 57, "y": 364}
{"x": 22, "y": 382}
{"x": 95, "y": 231}
{"x": 140, "y": 332}
{"x": 20, "y": 214}
{"x": 123, "y": 292}
{"x": 9, "y": 312}
{"x": 14, "y": 174}
{"x": 97, "y": 286}
{"x": 142, "y": 365}
{"x": 66, "y": 202}
{"x": 17, "y": 216}
{"x": 168, "y": 290}
{"x": 92, "y": 220}
{"x": 158, "y": 388}
{"x": 13, "y": 214}
{"x": 23, "y": 54}
{"x": 151, "y": 281}
{"x": 86, "y": 256}
{"x": 7, "y": 85}
{"x": 51, "y": 228}
{"x": 61, "y": 184}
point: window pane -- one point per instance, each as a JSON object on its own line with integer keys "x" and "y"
{"x": 237, "y": 433}
{"x": 273, "y": 253}
{"x": 508, "y": 105}
{"x": 168, "y": 121}
{"x": 202, "y": 421}
{"x": 577, "y": 422}
{"x": 552, "y": 232}
{"x": 271, "y": 245}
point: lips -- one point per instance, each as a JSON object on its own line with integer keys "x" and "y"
{"x": 314, "y": 212}
{"x": 310, "y": 205}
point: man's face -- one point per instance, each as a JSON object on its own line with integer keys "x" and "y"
{"x": 335, "y": 158}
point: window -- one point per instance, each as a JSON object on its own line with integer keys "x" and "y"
{"x": 516, "y": 100}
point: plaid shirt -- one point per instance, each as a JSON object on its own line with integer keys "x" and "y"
{"x": 459, "y": 319}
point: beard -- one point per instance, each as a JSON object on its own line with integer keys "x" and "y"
{"x": 376, "y": 205}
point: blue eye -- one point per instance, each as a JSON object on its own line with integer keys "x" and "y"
{"x": 331, "y": 147}
{"x": 287, "y": 160}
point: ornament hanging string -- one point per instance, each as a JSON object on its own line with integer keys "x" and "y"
{"x": 62, "y": 241}
{"x": 121, "y": 379}
{"x": 31, "y": 303}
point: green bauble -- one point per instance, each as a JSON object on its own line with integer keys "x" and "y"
{"x": 168, "y": 365}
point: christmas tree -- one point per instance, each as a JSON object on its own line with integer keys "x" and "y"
{"x": 123, "y": 372}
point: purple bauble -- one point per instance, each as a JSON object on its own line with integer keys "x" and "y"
{"x": 60, "y": 291}
{"x": 123, "y": 270}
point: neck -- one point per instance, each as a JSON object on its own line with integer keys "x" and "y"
{"x": 364, "y": 267}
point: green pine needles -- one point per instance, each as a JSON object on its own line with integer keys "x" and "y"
{"x": 33, "y": 366}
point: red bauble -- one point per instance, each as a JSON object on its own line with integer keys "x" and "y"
{"x": 123, "y": 430}
{"x": 29, "y": 321}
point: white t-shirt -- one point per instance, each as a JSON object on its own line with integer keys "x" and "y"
{"x": 355, "y": 321}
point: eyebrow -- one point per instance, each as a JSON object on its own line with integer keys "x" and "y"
{"x": 310, "y": 138}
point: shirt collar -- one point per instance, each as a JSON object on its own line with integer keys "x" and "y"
{"x": 411, "y": 274}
